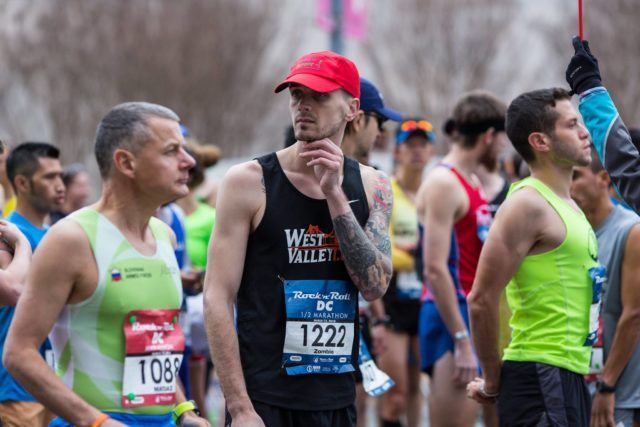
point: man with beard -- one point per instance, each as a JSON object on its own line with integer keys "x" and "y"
{"x": 35, "y": 173}
{"x": 542, "y": 245}
{"x": 455, "y": 218}
{"x": 299, "y": 232}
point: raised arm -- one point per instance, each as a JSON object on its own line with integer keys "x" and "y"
{"x": 15, "y": 259}
{"x": 611, "y": 138}
{"x": 613, "y": 143}
{"x": 49, "y": 285}
{"x": 509, "y": 241}
{"x": 237, "y": 205}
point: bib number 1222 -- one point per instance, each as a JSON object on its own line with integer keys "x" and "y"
{"x": 323, "y": 335}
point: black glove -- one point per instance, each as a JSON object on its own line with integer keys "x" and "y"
{"x": 582, "y": 72}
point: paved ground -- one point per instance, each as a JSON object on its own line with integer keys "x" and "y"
{"x": 371, "y": 413}
{"x": 216, "y": 411}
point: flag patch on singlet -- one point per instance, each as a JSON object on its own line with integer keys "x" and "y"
{"x": 115, "y": 275}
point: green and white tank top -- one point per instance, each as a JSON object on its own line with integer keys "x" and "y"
{"x": 555, "y": 296}
{"x": 88, "y": 338}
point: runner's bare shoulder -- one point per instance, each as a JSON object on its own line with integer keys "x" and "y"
{"x": 243, "y": 188}
{"x": 525, "y": 201}
{"x": 440, "y": 185}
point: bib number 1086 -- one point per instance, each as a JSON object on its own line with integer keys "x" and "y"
{"x": 323, "y": 335}
{"x": 159, "y": 369}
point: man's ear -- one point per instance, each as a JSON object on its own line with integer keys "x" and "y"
{"x": 22, "y": 184}
{"x": 354, "y": 108}
{"x": 125, "y": 162}
{"x": 539, "y": 141}
{"x": 604, "y": 178}
{"x": 357, "y": 124}
{"x": 487, "y": 135}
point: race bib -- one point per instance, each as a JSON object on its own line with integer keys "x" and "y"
{"x": 598, "y": 278}
{"x": 154, "y": 347}
{"x": 408, "y": 285}
{"x": 320, "y": 329}
{"x": 483, "y": 221}
{"x": 374, "y": 381}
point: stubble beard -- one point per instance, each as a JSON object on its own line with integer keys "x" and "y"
{"x": 489, "y": 160}
{"x": 310, "y": 135}
{"x": 575, "y": 158}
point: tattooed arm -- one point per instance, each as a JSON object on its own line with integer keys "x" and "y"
{"x": 367, "y": 253}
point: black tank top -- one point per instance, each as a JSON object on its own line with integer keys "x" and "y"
{"x": 274, "y": 254}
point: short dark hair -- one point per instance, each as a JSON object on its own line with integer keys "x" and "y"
{"x": 24, "y": 159}
{"x": 70, "y": 172}
{"x": 533, "y": 112}
{"x": 474, "y": 113}
{"x": 125, "y": 126}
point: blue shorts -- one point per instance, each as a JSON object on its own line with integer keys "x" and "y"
{"x": 435, "y": 339}
{"x": 130, "y": 420}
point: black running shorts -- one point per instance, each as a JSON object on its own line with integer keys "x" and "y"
{"x": 274, "y": 416}
{"x": 536, "y": 394}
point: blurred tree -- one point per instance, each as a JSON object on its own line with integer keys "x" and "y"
{"x": 77, "y": 58}
{"x": 613, "y": 33}
{"x": 434, "y": 50}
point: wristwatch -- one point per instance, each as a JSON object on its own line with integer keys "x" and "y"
{"x": 602, "y": 387}
{"x": 180, "y": 409}
{"x": 460, "y": 335}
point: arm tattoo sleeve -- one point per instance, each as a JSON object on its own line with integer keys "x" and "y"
{"x": 367, "y": 253}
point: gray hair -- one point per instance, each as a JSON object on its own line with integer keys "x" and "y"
{"x": 125, "y": 126}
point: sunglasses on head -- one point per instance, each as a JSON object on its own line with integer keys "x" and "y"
{"x": 411, "y": 125}
{"x": 381, "y": 120}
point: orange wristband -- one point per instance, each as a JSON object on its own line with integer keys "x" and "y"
{"x": 101, "y": 418}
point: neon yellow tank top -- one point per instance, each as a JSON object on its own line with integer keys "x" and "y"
{"x": 403, "y": 228}
{"x": 9, "y": 206}
{"x": 551, "y": 294}
{"x": 88, "y": 338}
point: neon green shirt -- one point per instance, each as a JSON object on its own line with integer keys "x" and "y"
{"x": 198, "y": 227}
{"x": 550, "y": 295}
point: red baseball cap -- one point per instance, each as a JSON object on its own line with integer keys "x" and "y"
{"x": 324, "y": 72}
